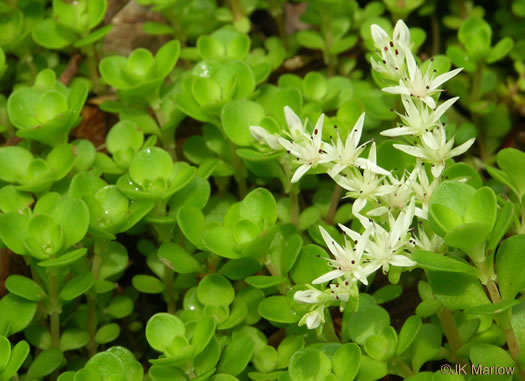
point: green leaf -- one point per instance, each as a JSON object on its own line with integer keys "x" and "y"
{"x": 219, "y": 240}
{"x": 178, "y": 259}
{"x": 277, "y": 309}
{"x": 206, "y": 91}
{"x": 426, "y": 345}
{"x": 475, "y": 34}
{"x": 482, "y": 207}
{"x": 345, "y": 361}
{"x": 77, "y": 286}
{"x": 366, "y": 321}
{"x": 237, "y": 117}
{"x": 161, "y": 330}
{"x": 264, "y": 281}
{"x": 64, "y": 259}
{"x": 314, "y": 86}
{"x": 120, "y": 307}
{"x": 511, "y": 161}
{"x": 72, "y": 339}
{"x": 18, "y": 355}
{"x": 309, "y": 364}
{"x": 310, "y": 264}
{"x": 456, "y": 290}
{"x": 202, "y": 334}
{"x": 25, "y": 311}
{"x": 241, "y": 268}
{"x": 46, "y": 363}
{"x": 107, "y": 333}
{"x": 5, "y": 352}
{"x": 192, "y": 223}
{"x": 310, "y": 39}
{"x": 13, "y": 230}
{"x": 509, "y": 258}
{"x": 147, "y": 284}
{"x": 408, "y": 333}
{"x": 14, "y": 162}
{"x": 25, "y": 288}
{"x": 502, "y": 225}
{"x": 381, "y": 346}
{"x": 492, "y": 308}
{"x": 238, "y": 47}
{"x": 432, "y": 261}
{"x": 488, "y": 355}
{"x": 500, "y": 50}
{"x": 259, "y": 206}
{"x": 236, "y": 356}
{"x": 370, "y": 369}
{"x": 287, "y": 347}
{"x": 73, "y": 217}
{"x": 53, "y": 35}
{"x": 93, "y": 37}
{"x": 209, "y": 47}
{"x": 156, "y": 28}
{"x": 215, "y": 290}
{"x": 114, "y": 260}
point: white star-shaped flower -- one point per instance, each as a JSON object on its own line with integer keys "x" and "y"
{"x": 264, "y": 137}
{"x": 347, "y": 260}
{"x": 387, "y": 248}
{"x": 366, "y": 185}
{"x": 435, "y": 149}
{"x": 391, "y": 50}
{"x": 309, "y": 151}
{"x": 420, "y": 85}
{"x": 347, "y": 154}
{"x": 418, "y": 120}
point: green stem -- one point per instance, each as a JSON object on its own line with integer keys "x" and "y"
{"x": 504, "y": 322}
{"x": 236, "y": 8}
{"x": 403, "y": 367}
{"x": 328, "y": 329}
{"x": 54, "y": 313}
{"x": 334, "y": 202}
{"x": 240, "y": 172}
{"x": 92, "y": 297}
{"x": 435, "y": 35}
{"x": 279, "y": 15}
{"x": 294, "y": 206}
{"x": 329, "y": 59}
{"x": 451, "y": 332}
{"x": 93, "y": 71}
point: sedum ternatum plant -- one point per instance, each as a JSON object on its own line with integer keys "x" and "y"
{"x": 261, "y": 190}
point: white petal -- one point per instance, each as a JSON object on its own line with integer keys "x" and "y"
{"x": 355, "y": 135}
{"x": 352, "y": 234}
{"x": 402, "y": 34}
{"x": 437, "y": 169}
{"x": 333, "y": 246}
{"x": 313, "y": 320}
{"x": 401, "y": 261}
{"x": 430, "y": 141}
{"x": 397, "y": 131}
{"x": 379, "y": 35}
{"x": 429, "y": 101}
{"x": 462, "y": 148}
{"x": 442, "y": 108}
{"x": 294, "y": 123}
{"x": 300, "y": 172}
{"x": 358, "y": 205}
{"x": 308, "y": 296}
{"x": 379, "y": 211}
{"x": 439, "y": 80}
{"x": 411, "y": 65}
{"x": 328, "y": 277}
{"x": 364, "y": 163}
{"x": 318, "y": 132}
{"x": 396, "y": 90}
{"x": 413, "y": 151}
{"x": 336, "y": 169}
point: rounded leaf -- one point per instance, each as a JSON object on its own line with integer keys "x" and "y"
{"x": 161, "y": 330}
{"x": 237, "y": 117}
{"x": 215, "y": 290}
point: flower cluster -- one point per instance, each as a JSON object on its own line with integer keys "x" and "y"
{"x": 385, "y": 205}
